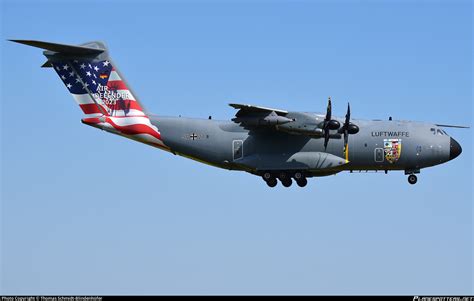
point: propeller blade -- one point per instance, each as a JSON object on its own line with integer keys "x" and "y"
{"x": 326, "y": 123}
{"x": 328, "y": 110}
{"x": 348, "y": 115}
{"x": 346, "y": 126}
{"x": 326, "y": 139}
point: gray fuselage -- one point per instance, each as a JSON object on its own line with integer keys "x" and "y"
{"x": 228, "y": 145}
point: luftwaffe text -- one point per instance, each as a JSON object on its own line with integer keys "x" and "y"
{"x": 390, "y": 134}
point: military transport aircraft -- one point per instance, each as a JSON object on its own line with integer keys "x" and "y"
{"x": 271, "y": 143}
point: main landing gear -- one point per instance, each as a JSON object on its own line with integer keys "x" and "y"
{"x": 300, "y": 179}
{"x": 286, "y": 178}
{"x": 270, "y": 179}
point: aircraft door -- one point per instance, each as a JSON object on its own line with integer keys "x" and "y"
{"x": 238, "y": 149}
{"x": 379, "y": 155}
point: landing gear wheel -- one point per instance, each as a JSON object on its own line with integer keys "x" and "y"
{"x": 285, "y": 179}
{"x": 287, "y": 182}
{"x": 267, "y": 176}
{"x": 302, "y": 182}
{"x": 283, "y": 176}
{"x": 272, "y": 182}
{"x": 412, "y": 179}
{"x": 298, "y": 176}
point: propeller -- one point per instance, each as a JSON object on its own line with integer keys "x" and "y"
{"x": 348, "y": 128}
{"x": 329, "y": 124}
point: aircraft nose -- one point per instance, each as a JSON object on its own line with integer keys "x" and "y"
{"x": 454, "y": 149}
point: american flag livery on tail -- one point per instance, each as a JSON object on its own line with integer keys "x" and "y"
{"x": 100, "y": 91}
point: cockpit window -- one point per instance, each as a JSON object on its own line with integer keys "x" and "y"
{"x": 438, "y": 132}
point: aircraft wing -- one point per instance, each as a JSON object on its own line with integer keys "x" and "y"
{"x": 253, "y": 116}
{"x": 246, "y": 109}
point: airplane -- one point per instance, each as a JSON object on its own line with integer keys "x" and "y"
{"x": 274, "y": 144}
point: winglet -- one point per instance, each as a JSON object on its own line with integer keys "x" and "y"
{"x": 62, "y": 48}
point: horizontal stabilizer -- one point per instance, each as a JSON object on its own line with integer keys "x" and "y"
{"x": 47, "y": 64}
{"x": 62, "y": 48}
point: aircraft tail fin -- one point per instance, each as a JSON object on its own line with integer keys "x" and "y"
{"x": 99, "y": 89}
{"x": 91, "y": 77}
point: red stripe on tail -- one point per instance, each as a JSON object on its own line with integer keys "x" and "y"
{"x": 90, "y": 108}
{"x": 135, "y": 129}
{"x": 116, "y": 85}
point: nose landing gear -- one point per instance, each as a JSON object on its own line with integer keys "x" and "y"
{"x": 412, "y": 179}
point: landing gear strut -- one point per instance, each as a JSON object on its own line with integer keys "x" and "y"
{"x": 412, "y": 179}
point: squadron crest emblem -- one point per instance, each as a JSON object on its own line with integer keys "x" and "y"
{"x": 392, "y": 149}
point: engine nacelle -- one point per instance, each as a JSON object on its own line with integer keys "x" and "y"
{"x": 352, "y": 129}
{"x": 333, "y": 124}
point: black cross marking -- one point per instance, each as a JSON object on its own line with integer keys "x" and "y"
{"x": 193, "y": 136}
